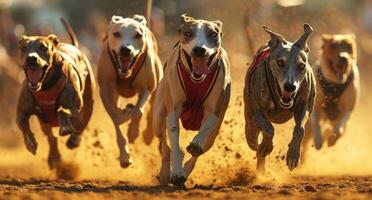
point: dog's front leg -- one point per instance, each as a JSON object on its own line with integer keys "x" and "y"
{"x": 28, "y": 136}
{"x": 316, "y": 129}
{"x": 177, "y": 174}
{"x": 197, "y": 145}
{"x": 110, "y": 98}
{"x": 338, "y": 128}
{"x": 266, "y": 146}
{"x": 137, "y": 113}
{"x": 294, "y": 148}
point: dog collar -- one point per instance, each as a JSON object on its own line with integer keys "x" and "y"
{"x": 332, "y": 92}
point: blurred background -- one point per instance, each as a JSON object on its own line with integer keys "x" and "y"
{"x": 243, "y": 35}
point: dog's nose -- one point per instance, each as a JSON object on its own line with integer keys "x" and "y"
{"x": 31, "y": 60}
{"x": 125, "y": 51}
{"x": 342, "y": 60}
{"x": 289, "y": 87}
{"x": 199, "y": 51}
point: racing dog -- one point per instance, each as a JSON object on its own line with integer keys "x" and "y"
{"x": 337, "y": 79}
{"x": 58, "y": 89}
{"x": 129, "y": 65}
{"x": 279, "y": 85}
{"x": 196, "y": 89}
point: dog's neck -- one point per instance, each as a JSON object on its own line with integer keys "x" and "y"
{"x": 53, "y": 75}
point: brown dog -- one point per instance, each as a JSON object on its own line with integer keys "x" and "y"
{"x": 58, "y": 89}
{"x": 196, "y": 89}
{"x": 338, "y": 88}
{"x": 279, "y": 85}
{"x": 129, "y": 65}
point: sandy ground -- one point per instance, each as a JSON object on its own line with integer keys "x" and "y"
{"x": 224, "y": 172}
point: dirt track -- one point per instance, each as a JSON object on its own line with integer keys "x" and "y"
{"x": 299, "y": 188}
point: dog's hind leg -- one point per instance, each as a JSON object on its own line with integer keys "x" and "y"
{"x": 54, "y": 157}
{"x": 158, "y": 127}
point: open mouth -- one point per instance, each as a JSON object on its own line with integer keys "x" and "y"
{"x": 34, "y": 77}
{"x": 287, "y": 99}
{"x": 125, "y": 65}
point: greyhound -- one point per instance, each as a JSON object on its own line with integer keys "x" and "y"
{"x": 196, "y": 88}
{"x": 129, "y": 65}
{"x": 58, "y": 89}
{"x": 338, "y": 88}
{"x": 279, "y": 85}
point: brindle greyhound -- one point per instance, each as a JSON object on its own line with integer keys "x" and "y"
{"x": 279, "y": 85}
{"x": 196, "y": 88}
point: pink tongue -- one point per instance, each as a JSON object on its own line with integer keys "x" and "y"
{"x": 34, "y": 76}
{"x": 125, "y": 62}
{"x": 200, "y": 65}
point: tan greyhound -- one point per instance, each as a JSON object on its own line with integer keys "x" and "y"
{"x": 129, "y": 65}
{"x": 196, "y": 89}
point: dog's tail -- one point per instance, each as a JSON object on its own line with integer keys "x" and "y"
{"x": 148, "y": 13}
{"x": 70, "y": 32}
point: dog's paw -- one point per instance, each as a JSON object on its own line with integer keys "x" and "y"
{"x": 178, "y": 182}
{"x": 332, "y": 139}
{"x": 31, "y": 143}
{"x": 73, "y": 141}
{"x": 125, "y": 160}
{"x": 194, "y": 149}
{"x": 66, "y": 130}
{"x": 128, "y": 108}
{"x": 266, "y": 147}
{"x": 293, "y": 156}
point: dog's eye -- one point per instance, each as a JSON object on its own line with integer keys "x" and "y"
{"x": 116, "y": 34}
{"x": 280, "y": 63}
{"x": 188, "y": 33}
{"x": 213, "y": 34}
{"x": 43, "y": 48}
{"x": 138, "y": 36}
{"x": 301, "y": 67}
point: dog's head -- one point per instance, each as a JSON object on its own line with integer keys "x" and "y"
{"x": 126, "y": 39}
{"x": 200, "y": 40}
{"x": 339, "y": 55}
{"x": 289, "y": 63}
{"x": 37, "y": 55}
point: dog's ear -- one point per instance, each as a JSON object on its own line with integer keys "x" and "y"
{"x": 185, "y": 19}
{"x": 219, "y": 25}
{"x": 276, "y": 38}
{"x": 54, "y": 39}
{"x": 23, "y": 39}
{"x": 301, "y": 42}
{"x": 116, "y": 19}
{"x": 141, "y": 19}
